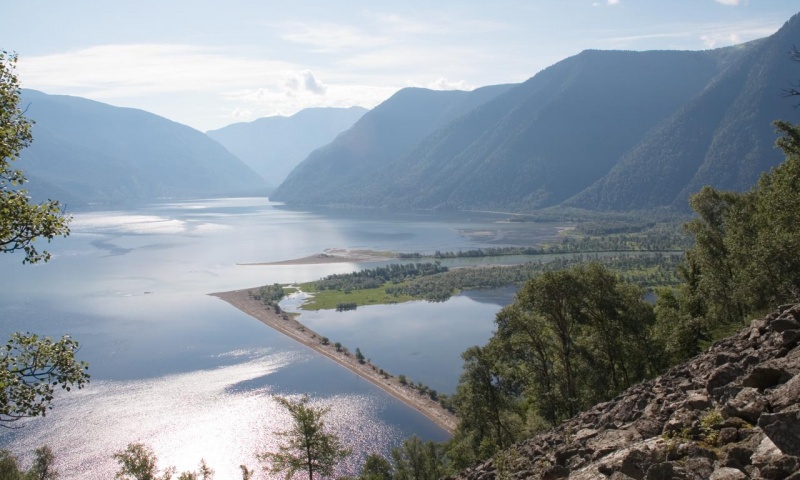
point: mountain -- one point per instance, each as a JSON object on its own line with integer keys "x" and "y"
{"x": 724, "y": 137}
{"x": 379, "y": 137}
{"x": 90, "y": 152}
{"x": 609, "y": 130}
{"x": 732, "y": 412}
{"x": 273, "y": 146}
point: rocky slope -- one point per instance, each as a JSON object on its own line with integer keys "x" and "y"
{"x": 730, "y": 413}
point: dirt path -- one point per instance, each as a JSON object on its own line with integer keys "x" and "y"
{"x": 290, "y": 327}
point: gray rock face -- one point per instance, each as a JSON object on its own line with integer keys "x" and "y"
{"x": 730, "y": 413}
{"x": 783, "y": 429}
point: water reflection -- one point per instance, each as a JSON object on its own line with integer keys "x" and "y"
{"x": 191, "y": 375}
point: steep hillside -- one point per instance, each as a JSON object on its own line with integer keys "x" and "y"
{"x": 552, "y": 136}
{"x": 380, "y": 136}
{"x": 730, "y": 413}
{"x": 607, "y": 130}
{"x": 723, "y": 137}
{"x": 87, "y": 152}
{"x": 273, "y": 146}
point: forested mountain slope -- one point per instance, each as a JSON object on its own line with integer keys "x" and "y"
{"x": 382, "y": 135}
{"x": 610, "y": 130}
{"x": 88, "y": 152}
{"x": 273, "y": 146}
{"x": 724, "y": 137}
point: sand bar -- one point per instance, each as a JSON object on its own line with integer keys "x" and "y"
{"x": 290, "y": 327}
{"x": 333, "y": 255}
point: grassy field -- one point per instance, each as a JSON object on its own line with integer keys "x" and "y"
{"x": 329, "y": 299}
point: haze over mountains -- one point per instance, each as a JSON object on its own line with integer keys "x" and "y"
{"x": 87, "y": 152}
{"x": 606, "y": 130}
{"x": 273, "y": 146}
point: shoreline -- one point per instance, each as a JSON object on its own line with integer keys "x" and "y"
{"x": 331, "y": 255}
{"x": 287, "y": 325}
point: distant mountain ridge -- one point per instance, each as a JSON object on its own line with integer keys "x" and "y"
{"x": 90, "y": 152}
{"x": 379, "y": 137}
{"x": 273, "y": 146}
{"x": 608, "y": 130}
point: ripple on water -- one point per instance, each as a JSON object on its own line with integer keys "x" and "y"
{"x": 186, "y": 416}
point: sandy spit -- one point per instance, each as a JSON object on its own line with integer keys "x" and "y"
{"x": 295, "y": 330}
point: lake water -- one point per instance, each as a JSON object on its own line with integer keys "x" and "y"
{"x": 193, "y": 377}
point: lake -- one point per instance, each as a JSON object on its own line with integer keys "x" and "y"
{"x": 193, "y": 377}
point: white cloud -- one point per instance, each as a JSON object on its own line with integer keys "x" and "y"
{"x": 718, "y": 40}
{"x": 136, "y": 70}
{"x": 608, "y": 2}
{"x": 305, "y": 80}
{"x": 444, "y": 84}
{"x": 730, "y": 3}
{"x": 328, "y": 37}
{"x": 241, "y": 114}
{"x": 687, "y": 35}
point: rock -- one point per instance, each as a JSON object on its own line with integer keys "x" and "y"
{"x": 555, "y": 472}
{"x": 790, "y": 338}
{"x": 635, "y": 464}
{"x": 786, "y": 395}
{"x": 584, "y": 434}
{"x": 727, "y": 473}
{"x": 780, "y": 469}
{"x": 701, "y": 467}
{"x": 661, "y": 428}
{"x": 698, "y": 400}
{"x": 783, "y": 429}
{"x": 764, "y": 377}
{"x": 660, "y": 471}
{"x": 748, "y": 405}
{"x": 766, "y": 453}
{"x": 722, "y": 376}
{"x": 784, "y": 323}
{"x": 737, "y": 457}
{"x": 727, "y": 435}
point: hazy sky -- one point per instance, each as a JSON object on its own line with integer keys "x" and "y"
{"x": 211, "y": 63}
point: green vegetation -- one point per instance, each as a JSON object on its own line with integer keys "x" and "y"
{"x": 138, "y": 462}
{"x": 330, "y": 299}
{"x": 30, "y": 366}
{"x": 572, "y": 338}
{"x": 271, "y": 294}
{"x": 43, "y": 467}
{"x": 581, "y": 334}
{"x": 308, "y": 448}
{"x": 744, "y": 261}
{"x": 645, "y": 270}
{"x": 376, "y": 277}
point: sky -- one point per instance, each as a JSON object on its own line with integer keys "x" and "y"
{"x": 208, "y": 64}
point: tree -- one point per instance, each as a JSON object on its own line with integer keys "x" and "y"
{"x": 21, "y": 222}
{"x": 418, "y": 460}
{"x": 376, "y": 468}
{"x": 30, "y": 366}
{"x": 43, "y": 468}
{"x": 360, "y": 356}
{"x": 307, "y": 447}
{"x": 9, "y": 467}
{"x": 744, "y": 261}
{"x": 30, "y": 369}
{"x": 137, "y": 462}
